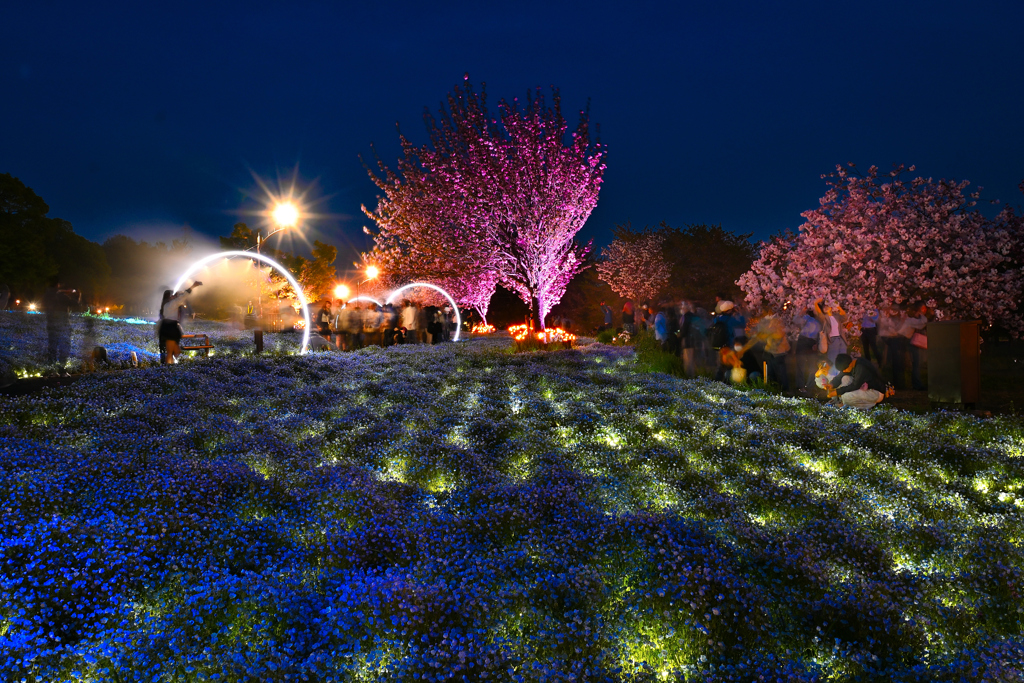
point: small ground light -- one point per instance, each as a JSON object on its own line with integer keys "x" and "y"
{"x": 31, "y": 307}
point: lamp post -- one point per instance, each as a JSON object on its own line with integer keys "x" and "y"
{"x": 372, "y": 273}
{"x": 284, "y": 215}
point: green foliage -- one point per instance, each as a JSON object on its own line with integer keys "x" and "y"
{"x": 37, "y": 247}
{"x": 606, "y": 336}
{"x": 581, "y": 302}
{"x": 317, "y": 276}
{"x": 651, "y": 358}
{"x": 533, "y": 344}
{"x": 706, "y": 260}
{"x": 242, "y": 238}
{"x": 133, "y": 266}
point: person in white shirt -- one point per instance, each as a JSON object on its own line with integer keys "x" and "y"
{"x": 410, "y": 321}
{"x": 832, "y": 321}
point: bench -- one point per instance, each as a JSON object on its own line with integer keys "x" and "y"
{"x": 196, "y": 342}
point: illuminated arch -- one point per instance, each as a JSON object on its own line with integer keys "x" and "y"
{"x": 458, "y": 318}
{"x": 270, "y": 262}
{"x": 363, "y": 297}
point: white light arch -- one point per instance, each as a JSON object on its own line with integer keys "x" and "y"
{"x": 458, "y": 318}
{"x": 363, "y": 297}
{"x": 270, "y": 262}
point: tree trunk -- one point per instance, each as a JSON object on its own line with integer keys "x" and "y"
{"x": 538, "y": 323}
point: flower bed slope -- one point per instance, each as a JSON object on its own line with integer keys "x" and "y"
{"x": 456, "y": 512}
{"x": 23, "y": 342}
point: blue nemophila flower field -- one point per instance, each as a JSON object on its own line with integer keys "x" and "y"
{"x": 462, "y": 513}
{"x": 23, "y": 342}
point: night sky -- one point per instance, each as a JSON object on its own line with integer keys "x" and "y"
{"x": 129, "y": 119}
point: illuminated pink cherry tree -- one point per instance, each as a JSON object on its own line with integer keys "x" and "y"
{"x": 634, "y": 265}
{"x": 879, "y": 241}
{"x": 501, "y": 197}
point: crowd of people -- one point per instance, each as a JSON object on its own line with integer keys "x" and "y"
{"x": 854, "y": 362}
{"x": 358, "y": 324}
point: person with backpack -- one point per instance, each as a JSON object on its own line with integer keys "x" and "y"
{"x": 720, "y": 331}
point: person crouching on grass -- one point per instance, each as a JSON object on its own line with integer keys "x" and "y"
{"x": 169, "y": 329}
{"x": 858, "y": 383}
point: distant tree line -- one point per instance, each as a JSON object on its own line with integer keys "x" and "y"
{"x": 37, "y": 247}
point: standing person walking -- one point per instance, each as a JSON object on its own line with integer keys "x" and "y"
{"x": 721, "y": 333}
{"x": 372, "y": 320}
{"x": 807, "y": 353}
{"x": 410, "y": 321}
{"x": 772, "y": 332}
{"x": 606, "y": 312}
{"x": 354, "y": 327}
{"x": 422, "y": 323}
{"x": 323, "y": 319}
{"x": 169, "y": 329}
{"x": 627, "y": 317}
{"x": 687, "y": 333}
{"x": 660, "y": 325}
{"x": 337, "y": 335}
{"x": 889, "y": 324}
{"x": 832, "y": 319}
{"x": 912, "y": 329}
{"x": 57, "y": 304}
{"x": 869, "y": 335}
{"x": 672, "y": 318}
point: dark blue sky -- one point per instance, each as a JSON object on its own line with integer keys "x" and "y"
{"x": 131, "y": 119}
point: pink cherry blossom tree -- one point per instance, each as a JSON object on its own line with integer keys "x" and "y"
{"x": 502, "y": 197}
{"x": 882, "y": 240}
{"x": 634, "y": 264}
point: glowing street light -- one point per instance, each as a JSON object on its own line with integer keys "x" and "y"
{"x": 285, "y": 215}
{"x": 341, "y": 292}
{"x": 371, "y": 274}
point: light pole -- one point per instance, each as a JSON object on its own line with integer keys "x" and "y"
{"x": 285, "y": 215}
{"x": 372, "y": 272}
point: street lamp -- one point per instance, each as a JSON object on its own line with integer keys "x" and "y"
{"x": 284, "y": 215}
{"x": 341, "y": 292}
{"x": 372, "y": 272}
